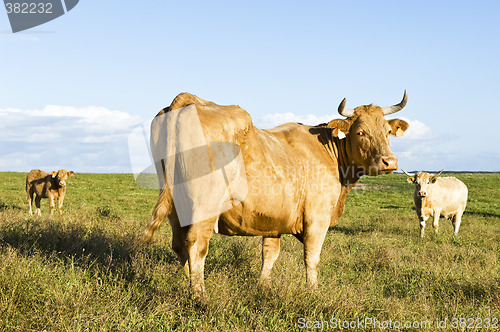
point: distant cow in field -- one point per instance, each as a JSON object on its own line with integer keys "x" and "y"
{"x": 46, "y": 185}
{"x": 434, "y": 196}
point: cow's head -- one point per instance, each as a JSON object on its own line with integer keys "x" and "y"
{"x": 62, "y": 176}
{"x": 367, "y": 136}
{"x": 422, "y": 181}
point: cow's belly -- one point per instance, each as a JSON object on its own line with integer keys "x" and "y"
{"x": 450, "y": 211}
{"x": 280, "y": 210}
{"x": 264, "y": 216}
{"x": 257, "y": 225}
{"x": 452, "y": 207}
{"x": 42, "y": 193}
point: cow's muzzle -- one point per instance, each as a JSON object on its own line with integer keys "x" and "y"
{"x": 62, "y": 184}
{"x": 422, "y": 194}
{"x": 387, "y": 164}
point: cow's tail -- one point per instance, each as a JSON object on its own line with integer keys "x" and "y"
{"x": 162, "y": 209}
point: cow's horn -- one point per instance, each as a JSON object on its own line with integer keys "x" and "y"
{"x": 409, "y": 174}
{"x": 396, "y": 108}
{"x": 438, "y": 173}
{"x": 345, "y": 112}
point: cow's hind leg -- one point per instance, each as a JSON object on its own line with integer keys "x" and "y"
{"x": 30, "y": 193}
{"x": 456, "y": 220}
{"x": 179, "y": 241}
{"x": 270, "y": 253}
{"x": 197, "y": 241}
{"x": 37, "y": 204}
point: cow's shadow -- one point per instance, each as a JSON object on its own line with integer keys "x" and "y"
{"x": 394, "y": 207}
{"x": 93, "y": 248}
{"x": 9, "y": 206}
{"x": 353, "y": 229}
{"x": 481, "y": 214}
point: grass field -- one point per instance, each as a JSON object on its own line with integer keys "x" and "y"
{"x": 78, "y": 272}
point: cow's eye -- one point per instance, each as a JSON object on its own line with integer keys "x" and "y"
{"x": 390, "y": 131}
{"x": 361, "y": 133}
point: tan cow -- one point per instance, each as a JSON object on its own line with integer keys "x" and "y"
{"x": 46, "y": 185}
{"x": 298, "y": 177}
{"x": 436, "y": 197}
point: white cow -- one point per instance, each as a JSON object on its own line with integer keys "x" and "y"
{"x": 436, "y": 197}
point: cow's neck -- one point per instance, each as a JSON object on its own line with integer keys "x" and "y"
{"x": 59, "y": 189}
{"x": 349, "y": 173}
{"x": 337, "y": 150}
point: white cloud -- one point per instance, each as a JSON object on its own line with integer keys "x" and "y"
{"x": 276, "y": 119}
{"x": 417, "y": 130}
{"x": 419, "y": 148}
{"x": 81, "y": 139}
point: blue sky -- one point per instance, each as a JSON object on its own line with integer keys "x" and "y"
{"x": 72, "y": 89}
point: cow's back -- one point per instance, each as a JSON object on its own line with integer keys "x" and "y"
{"x": 39, "y": 182}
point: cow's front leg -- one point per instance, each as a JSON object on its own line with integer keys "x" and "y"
{"x": 52, "y": 205}
{"x": 61, "y": 199}
{"x": 197, "y": 242}
{"x": 435, "y": 222}
{"x": 314, "y": 236}
{"x": 422, "y": 220}
{"x": 270, "y": 253}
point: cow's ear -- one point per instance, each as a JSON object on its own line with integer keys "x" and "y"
{"x": 340, "y": 124}
{"x": 71, "y": 173}
{"x": 433, "y": 179}
{"x": 410, "y": 179}
{"x": 54, "y": 174}
{"x": 398, "y": 127}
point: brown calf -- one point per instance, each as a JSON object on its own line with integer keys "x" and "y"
{"x": 46, "y": 185}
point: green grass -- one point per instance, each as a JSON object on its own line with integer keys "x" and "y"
{"x": 78, "y": 272}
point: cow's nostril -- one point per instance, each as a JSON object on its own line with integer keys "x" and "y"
{"x": 388, "y": 163}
